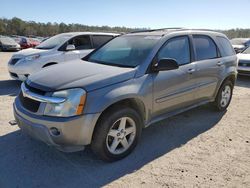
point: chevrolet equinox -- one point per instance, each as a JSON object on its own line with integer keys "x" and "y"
{"x": 127, "y": 84}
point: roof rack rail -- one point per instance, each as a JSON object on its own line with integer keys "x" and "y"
{"x": 201, "y": 29}
{"x": 152, "y": 30}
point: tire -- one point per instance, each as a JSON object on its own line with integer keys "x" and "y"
{"x": 224, "y": 94}
{"x": 109, "y": 140}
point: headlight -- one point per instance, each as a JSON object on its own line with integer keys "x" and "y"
{"x": 32, "y": 57}
{"x": 74, "y": 104}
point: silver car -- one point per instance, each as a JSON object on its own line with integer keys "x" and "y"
{"x": 244, "y": 62}
{"x": 58, "y": 49}
{"x": 133, "y": 81}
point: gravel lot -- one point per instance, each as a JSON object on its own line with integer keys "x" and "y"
{"x": 199, "y": 148}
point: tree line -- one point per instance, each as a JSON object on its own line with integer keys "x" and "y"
{"x": 16, "y": 26}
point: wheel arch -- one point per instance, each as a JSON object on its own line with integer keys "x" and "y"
{"x": 231, "y": 77}
{"x": 134, "y": 103}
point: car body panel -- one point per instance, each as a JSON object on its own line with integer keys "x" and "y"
{"x": 162, "y": 94}
{"x": 244, "y": 64}
{"x": 48, "y": 56}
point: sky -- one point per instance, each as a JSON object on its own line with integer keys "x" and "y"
{"x": 209, "y": 14}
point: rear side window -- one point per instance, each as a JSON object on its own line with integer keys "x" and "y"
{"x": 176, "y": 48}
{"x": 205, "y": 47}
{"x": 81, "y": 42}
{"x": 99, "y": 40}
{"x": 226, "y": 48}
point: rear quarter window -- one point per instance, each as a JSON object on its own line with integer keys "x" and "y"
{"x": 226, "y": 48}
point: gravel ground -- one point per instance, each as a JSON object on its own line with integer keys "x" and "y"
{"x": 199, "y": 148}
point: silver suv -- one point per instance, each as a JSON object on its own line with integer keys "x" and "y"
{"x": 125, "y": 85}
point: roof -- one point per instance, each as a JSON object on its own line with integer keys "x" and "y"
{"x": 165, "y": 31}
{"x": 90, "y": 33}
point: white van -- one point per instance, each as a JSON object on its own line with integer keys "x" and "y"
{"x": 57, "y": 49}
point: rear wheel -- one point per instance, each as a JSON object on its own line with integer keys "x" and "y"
{"x": 117, "y": 134}
{"x": 224, "y": 96}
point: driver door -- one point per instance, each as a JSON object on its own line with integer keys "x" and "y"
{"x": 82, "y": 47}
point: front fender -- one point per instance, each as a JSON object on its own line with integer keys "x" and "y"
{"x": 137, "y": 88}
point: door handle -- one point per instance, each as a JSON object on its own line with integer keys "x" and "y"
{"x": 220, "y": 63}
{"x": 190, "y": 71}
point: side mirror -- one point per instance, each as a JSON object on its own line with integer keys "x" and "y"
{"x": 165, "y": 64}
{"x": 70, "y": 47}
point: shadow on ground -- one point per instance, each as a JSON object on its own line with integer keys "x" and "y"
{"x": 9, "y": 87}
{"x": 243, "y": 81}
{"x": 28, "y": 163}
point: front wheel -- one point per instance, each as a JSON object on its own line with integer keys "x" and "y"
{"x": 116, "y": 134}
{"x": 224, "y": 96}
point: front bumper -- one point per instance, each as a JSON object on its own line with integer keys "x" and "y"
{"x": 8, "y": 48}
{"x": 21, "y": 69}
{"x": 75, "y": 132}
{"x": 243, "y": 70}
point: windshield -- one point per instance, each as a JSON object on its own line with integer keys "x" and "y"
{"x": 239, "y": 41}
{"x": 54, "y": 41}
{"x": 125, "y": 51}
{"x": 7, "y": 40}
{"x": 246, "y": 51}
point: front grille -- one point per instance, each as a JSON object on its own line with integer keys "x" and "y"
{"x": 13, "y": 74}
{"x": 34, "y": 90}
{"x": 14, "y": 61}
{"x": 28, "y": 103}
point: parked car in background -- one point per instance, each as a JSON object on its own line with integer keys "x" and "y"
{"x": 25, "y": 43}
{"x": 127, "y": 84}
{"x": 34, "y": 42}
{"x": 239, "y": 44}
{"x": 8, "y": 44}
{"x": 244, "y": 62}
{"x": 58, "y": 49}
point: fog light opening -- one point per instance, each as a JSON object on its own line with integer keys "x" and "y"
{"x": 54, "y": 131}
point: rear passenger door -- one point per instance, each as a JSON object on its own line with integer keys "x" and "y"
{"x": 99, "y": 40}
{"x": 174, "y": 89}
{"x": 209, "y": 66}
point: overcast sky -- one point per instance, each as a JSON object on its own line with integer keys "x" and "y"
{"x": 211, "y": 14}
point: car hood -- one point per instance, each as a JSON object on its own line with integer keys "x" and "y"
{"x": 244, "y": 56}
{"x": 30, "y": 51}
{"x": 83, "y": 74}
{"x": 238, "y": 46}
{"x": 9, "y": 44}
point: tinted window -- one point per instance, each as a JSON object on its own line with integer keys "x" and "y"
{"x": 225, "y": 47}
{"x": 99, "y": 40}
{"x": 125, "y": 51}
{"x": 81, "y": 42}
{"x": 205, "y": 48}
{"x": 178, "y": 49}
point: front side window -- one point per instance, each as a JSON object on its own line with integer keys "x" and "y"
{"x": 205, "y": 47}
{"x": 125, "y": 51}
{"x": 225, "y": 46}
{"x": 81, "y": 42}
{"x": 177, "y": 49}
